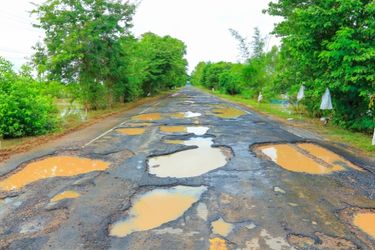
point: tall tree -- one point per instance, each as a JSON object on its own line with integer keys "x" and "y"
{"x": 82, "y": 42}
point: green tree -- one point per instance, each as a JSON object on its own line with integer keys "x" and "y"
{"x": 330, "y": 44}
{"x": 82, "y": 44}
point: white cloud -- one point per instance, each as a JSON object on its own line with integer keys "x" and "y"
{"x": 202, "y": 24}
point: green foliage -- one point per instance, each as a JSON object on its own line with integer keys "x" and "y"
{"x": 330, "y": 44}
{"x": 24, "y": 109}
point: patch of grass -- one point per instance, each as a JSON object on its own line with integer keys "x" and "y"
{"x": 333, "y": 133}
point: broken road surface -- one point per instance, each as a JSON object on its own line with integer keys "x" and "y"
{"x": 190, "y": 172}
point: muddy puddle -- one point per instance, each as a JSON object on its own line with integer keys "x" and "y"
{"x": 191, "y": 162}
{"x": 184, "y": 129}
{"x": 221, "y": 227}
{"x": 159, "y": 116}
{"x": 57, "y": 166}
{"x": 131, "y": 131}
{"x": 147, "y": 117}
{"x": 306, "y": 158}
{"x": 227, "y": 112}
{"x": 65, "y": 195}
{"x": 218, "y": 244}
{"x": 365, "y": 221}
{"x": 156, "y": 208}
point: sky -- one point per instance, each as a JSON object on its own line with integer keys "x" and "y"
{"x": 202, "y": 24}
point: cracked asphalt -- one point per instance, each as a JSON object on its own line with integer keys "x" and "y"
{"x": 262, "y": 205}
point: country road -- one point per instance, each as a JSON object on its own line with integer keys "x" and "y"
{"x": 190, "y": 171}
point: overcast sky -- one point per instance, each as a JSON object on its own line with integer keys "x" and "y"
{"x": 202, "y": 24}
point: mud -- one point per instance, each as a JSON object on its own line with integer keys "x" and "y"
{"x": 306, "y": 158}
{"x": 57, "y": 166}
{"x": 221, "y": 227}
{"x": 155, "y": 208}
{"x": 227, "y": 112}
{"x": 218, "y": 244}
{"x": 131, "y": 131}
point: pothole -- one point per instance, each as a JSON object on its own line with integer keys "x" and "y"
{"x": 365, "y": 221}
{"x": 191, "y": 162}
{"x": 154, "y": 208}
{"x": 147, "y": 117}
{"x": 227, "y": 112}
{"x": 305, "y": 158}
{"x": 361, "y": 221}
{"x": 185, "y": 129}
{"x": 218, "y": 244}
{"x": 131, "y": 131}
{"x": 65, "y": 195}
{"x": 221, "y": 227}
{"x": 56, "y": 166}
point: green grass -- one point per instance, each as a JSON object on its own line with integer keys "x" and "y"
{"x": 333, "y": 133}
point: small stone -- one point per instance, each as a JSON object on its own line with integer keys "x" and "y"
{"x": 279, "y": 190}
{"x": 293, "y": 204}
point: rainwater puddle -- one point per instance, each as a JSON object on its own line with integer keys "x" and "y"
{"x": 157, "y": 207}
{"x": 227, "y": 112}
{"x": 221, "y": 227}
{"x": 189, "y": 163}
{"x": 366, "y": 222}
{"x": 306, "y": 158}
{"x": 147, "y": 117}
{"x": 65, "y": 195}
{"x": 190, "y": 114}
{"x": 131, "y": 131}
{"x": 184, "y": 129}
{"x": 218, "y": 244}
{"x": 57, "y": 166}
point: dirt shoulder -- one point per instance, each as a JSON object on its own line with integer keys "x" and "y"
{"x": 77, "y": 132}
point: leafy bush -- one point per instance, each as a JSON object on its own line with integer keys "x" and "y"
{"x": 24, "y": 110}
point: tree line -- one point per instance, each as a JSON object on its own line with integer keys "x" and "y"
{"x": 324, "y": 44}
{"x": 89, "y": 55}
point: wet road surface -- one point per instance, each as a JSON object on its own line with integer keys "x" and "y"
{"x": 190, "y": 172}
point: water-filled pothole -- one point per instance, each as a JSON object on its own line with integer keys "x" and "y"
{"x": 218, "y": 244}
{"x": 306, "y": 158}
{"x": 154, "y": 208}
{"x": 227, "y": 112}
{"x": 147, "y": 117}
{"x": 366, "y": 222}
{"x": 191, "y": 162}
{"x": 56, "y": 166}
{"x": 131, "y": 131}
{"x": 184, "y": 129}
{"x": 65, "y": 195}
{"x": 221, "y": 227}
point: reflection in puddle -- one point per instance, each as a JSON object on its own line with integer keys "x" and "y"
{"x": 366, "y": 222}
{"x": 306, "y": 158}
{"x": 57, "y": 166}
{"x": 65, "y": 195}
{"x": 184, "y": 129}
{"x": 157, "y": 207}
{"x": 190, "y": 114}
{"x": 221, "y": 227}
{"x": 147, "y": 117}
{"x": 189, "y": 163}
{"x": 218, "y": 244}
{"x": 131, "y": 131}
{"x": 227, "y": 112}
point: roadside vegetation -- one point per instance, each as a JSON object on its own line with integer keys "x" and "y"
{"x": 325, "y": 44}
{"x": 88, "y": 61}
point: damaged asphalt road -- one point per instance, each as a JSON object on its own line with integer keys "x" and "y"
{"x": 190, "y": 172}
